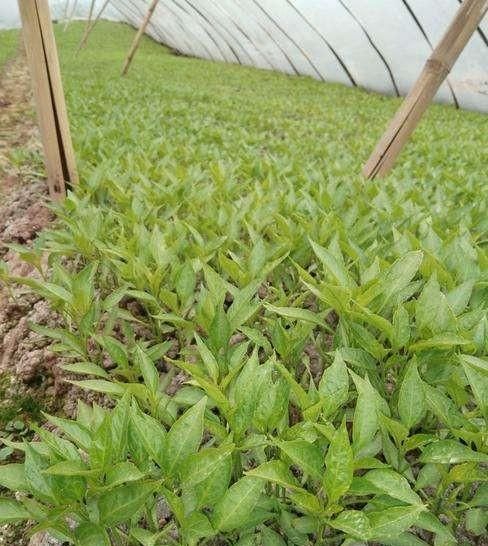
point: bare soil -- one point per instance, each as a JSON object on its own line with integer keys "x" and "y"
{"x": 24, "y": 355}
{"x": 30, "y": 377}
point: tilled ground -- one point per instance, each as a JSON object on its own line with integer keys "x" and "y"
{"x": 25, "y": 359}
{"x": 30, "y": 377}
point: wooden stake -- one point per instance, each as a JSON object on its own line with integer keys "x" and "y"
{"x": 87, "y": 26}
{"x": 435, "y": 71}
{"x": 84, "y": 41}
{"x": 137, "y": 39}
{"x": 43, "y": 61}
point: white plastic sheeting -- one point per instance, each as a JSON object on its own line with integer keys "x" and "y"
{"x": 10, "y": 18}
{"x": 381, "y": 45}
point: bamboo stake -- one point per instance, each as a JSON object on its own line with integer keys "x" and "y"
{"x": 87, "y": 27}
{"x": 435, "y": 71}
{"x": 66, "y": 10}
{"x": 43, "y": 63}
{"x": 137, "y": 39}
{"x": 93, "y": 24}
{"x": 73, "y": 10}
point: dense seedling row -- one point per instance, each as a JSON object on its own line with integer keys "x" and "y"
{"x": 331, "y": 333}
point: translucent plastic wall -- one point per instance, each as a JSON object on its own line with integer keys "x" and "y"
{"x": 377, "y": 44}
{"x": 60, "y": 9}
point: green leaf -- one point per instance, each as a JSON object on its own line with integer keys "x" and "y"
{"x": 450, "y": 452}
{"x": 363, "y": 338}
{"x": 113, "y": 299}
{"x": 273, "y": 401}
{"x": 271, "y": 538}
{"x": 296, "y": 313}
{"x": 86, "y": 368}
{"x": 149, "y": 372}
{"x": 69, "y": 340}
{"x": 481, "y": 497}
{"x": 145, "y": 537}
{"x": 195, "y": 527}
{"x": 175, "y": 503}
{"x": 205, "y": 476}
{"x": 334, "y": 386}
{"x": 395, "y": 279}
{"x": 406, "y": 539}
{"x": 428, "y": 521}
{"x": 354, "y": 523}
{"x": 477, "y": 521}
{"x": 339, "y": 463}
{"x": 366, "y": 419}
{"x": 393, "y": 484}
{"x": 391, "y": 522}
{"x": 41, "y": 485}
{"x": 246, "y": 393}
{"x": 70, "y": 468}
{"x": 439, "y": 341}
{"x": 459, "y": 297}
{"x": 220, "y": 331}
{"x": 185, "y": 437}
{"x": 377, "y": 321}
{"x": 119, "y": 428}
{"x": 99, "y": 385}
{"x": 208, "y": 359}
{"x": 151, "y": 435}
{"x": 243, "y": 308}
{"x": 89, "y": 534}
{"x": 467, "y": 473}
{"x": 78, "y": 433}
{"x": 185, "y": 283}
{"x": 476, "y": 371}
{"x": 395, "y": 428}
{"x": 479, "y": 364}
{"x": 333, "y": 296}
{"x": 399, "y": 275}
{"x": 122, "y": 473}
{"x": 334, "y": 266}
{"x": 429, "y": 476}
{"x": 122, "y": 503}
{"x": 236, "y": 507}
{"x": 115, "y": 349}
{"x": 12, "y": 476}
{"x": 305, "y": 455}
{"x": 401, "y": 327}
{"x": 432, "y": 311}
{"x": 12, "y": 511}
{"x": 297, "y": 390}
{"x": 50, "y": 291}
{"x": 305, "y": 501}
{"x": 443, "y": 407}
{"x": 275, "y": 472}
{"x": 411, "y": 398}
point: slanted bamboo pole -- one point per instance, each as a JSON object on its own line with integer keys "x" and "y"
{"x": 435, "y": 71}
{"x": 66, "y": 10}
{"x": 137, "y": 39}
{"x": 43, "y": 61}
{"x": 71, "y": 15}
{"x": 93, "y": 24}
{"x": 87, "y": 26}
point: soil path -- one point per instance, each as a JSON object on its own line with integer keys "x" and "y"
{"x": 23, "y": 213}
{"x": 30, "y": 378}
{"x": 26, "y": 363}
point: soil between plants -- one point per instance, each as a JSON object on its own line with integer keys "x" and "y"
{"x": 30, "y": 377}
